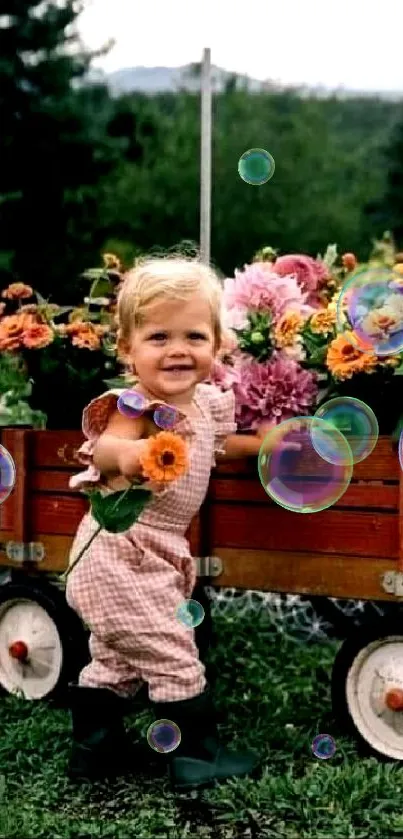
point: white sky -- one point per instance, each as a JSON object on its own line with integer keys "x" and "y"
{"x": 338, "y": 43}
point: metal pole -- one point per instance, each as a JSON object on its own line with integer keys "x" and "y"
{"x": 205, "y": 158}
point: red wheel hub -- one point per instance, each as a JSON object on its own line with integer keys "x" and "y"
{"x": 394, "y": 699}
{"x": 18, "y": 650}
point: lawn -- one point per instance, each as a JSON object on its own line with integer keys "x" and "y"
{"x": 276, "y": 693}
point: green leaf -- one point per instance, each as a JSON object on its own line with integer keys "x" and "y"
{"x": 118, "y": 511}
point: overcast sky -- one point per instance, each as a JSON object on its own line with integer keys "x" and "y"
{"x": 338, "y": 43}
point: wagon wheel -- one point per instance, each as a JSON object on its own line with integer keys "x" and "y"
{"x": 346, "y": 615}
{"x": 367, "y": 687}
{"x": 42, "y": 643}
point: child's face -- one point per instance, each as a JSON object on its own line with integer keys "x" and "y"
{"x": 174, "y": 348}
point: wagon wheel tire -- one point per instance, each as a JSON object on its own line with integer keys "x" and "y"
{"x": 343, "y": 616}
{"x": 204, "y": 633}
{"x": 43, "y": 645}
{"x": 367, "y": 688}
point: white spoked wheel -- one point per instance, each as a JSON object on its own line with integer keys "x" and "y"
{"x": 367, "y": 688}
{"x": 31, "y": 653}
{"x": 42, "y": 644}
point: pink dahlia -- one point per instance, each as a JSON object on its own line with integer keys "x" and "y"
{"x": 272, "y": 391}
{"x": 310, "y": 273}
{"x": 259, "y": 289}
{"x": 223, "y": 375}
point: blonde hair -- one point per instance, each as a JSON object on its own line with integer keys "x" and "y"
{"x": 170, "y": 277}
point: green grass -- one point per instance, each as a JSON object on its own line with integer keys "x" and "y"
{"x": 275, "y": 692}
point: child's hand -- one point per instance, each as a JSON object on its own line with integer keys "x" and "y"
{"x": 276, "y": 435}
{"x": 129, "y": 459}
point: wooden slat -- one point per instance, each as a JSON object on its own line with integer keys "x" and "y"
{"x": 331, "y": 531}
{"x": 304, "y": 573}
{"x": 17, "y": 445}
{"x": 56, "y": 449}
{"x": 379, "y": 496}
{"x": 46, "y": 480}
{"x": 382, "y": 464}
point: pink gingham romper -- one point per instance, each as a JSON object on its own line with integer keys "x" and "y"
{"x": 127, "y": 586}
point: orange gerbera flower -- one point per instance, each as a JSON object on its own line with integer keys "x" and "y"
{"x": 37, "y": 336}
{"x": 344, "y": 358}
{"x": 287, "y": 329}
{"x": 17, "y": 291}
{"x": 165, "y": 458}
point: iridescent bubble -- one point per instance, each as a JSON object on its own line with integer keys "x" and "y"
{"x": 256, "y": 166}
{"x": 401, "y": 449}
{"x": 166, "y": 417}
{"x": 131, "y": 404}
{"x": 355, "y": 420}
{"x": 372, "y": 302}
{"x": 323, "y": 746}
{"x": 293, "y": 473}
{"x": 7, "y": 474}
{"x": 164, "y": 736}
{"x": 190, "y": 613}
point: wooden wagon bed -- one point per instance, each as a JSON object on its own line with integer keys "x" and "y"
{"x": 352, "y": 550}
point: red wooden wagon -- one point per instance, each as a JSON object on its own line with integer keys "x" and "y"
{"x": 240, "y": 539}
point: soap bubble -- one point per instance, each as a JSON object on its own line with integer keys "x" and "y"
{"x": 131, "y": 404}
{"x": 166, "y": 417}
{"x": 190, "y": 613}
{"x": 372, "y": 300}
{"x": 401, "y": 449}
{"x": 256, "y": 166}
{"x": 323, "y": 746}
{"x": 294, "y": 474}
{"x": 164, "y": 736}
{"x": 355, "y": 420}
{"x": 7, "y": 474}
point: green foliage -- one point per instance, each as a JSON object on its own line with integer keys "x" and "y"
{"x": 15, "y": 393}
{"x": 118, "y": 511}
{"x": 256, "y": 338}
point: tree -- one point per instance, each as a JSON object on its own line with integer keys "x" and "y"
{"x": 54, "y": 146}
{"x": 387, "y": 212}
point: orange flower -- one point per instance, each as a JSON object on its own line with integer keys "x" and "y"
{"x": 37, "y": 336}
{"x": 349, "y": 261}
{"x": 165, "y": 458}
{"x": 287, "y": 329}
{"x": 344, "y": 358}
{"x": 84, "y": 334}
{"x": 86, "y": 340}
{"x": 323, "y": 321}
{"x": 12, "y": 330}
{"x": 17, "y": 291}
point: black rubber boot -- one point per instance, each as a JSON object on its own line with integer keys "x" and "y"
{"x": 200, "y": 760}
{"x": 101, "y": 748}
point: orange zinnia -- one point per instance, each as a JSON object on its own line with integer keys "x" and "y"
{"x": 12, "y": 329}
{"x": 323, "y": 321}
{"x": 165, "y": 458}
{"x": 344, "y": 358}
{"x": 287, "y": 329}
{"x": 37, "y": 336}
{"x": 17, "y": 291}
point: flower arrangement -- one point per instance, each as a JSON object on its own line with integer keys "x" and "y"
{"x": 289, "y": 354}
{"x": 165, "y": 458}
{"x": 39, "y": 339}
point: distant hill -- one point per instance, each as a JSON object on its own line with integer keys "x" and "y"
{"x": 153, "y": 80}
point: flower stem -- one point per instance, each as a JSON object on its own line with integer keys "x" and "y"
{"x": 83, "y": 550}
{"x": 98, "y": 530}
